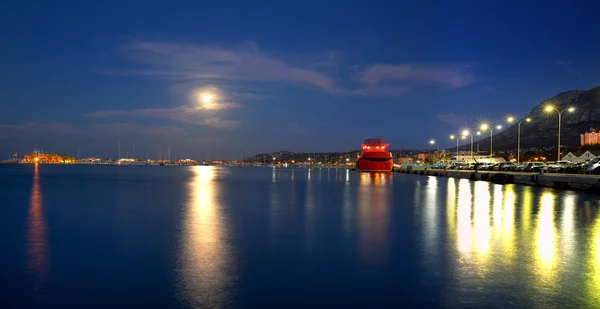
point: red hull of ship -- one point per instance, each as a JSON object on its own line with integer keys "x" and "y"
{"x": 364, "y": 165}
{"x": 375, "y": 157}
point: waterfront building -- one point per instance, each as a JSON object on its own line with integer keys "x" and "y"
{"x": 590, "y": 138}
{"x": 477, "y": 159}
{"x": 581, "y": 157}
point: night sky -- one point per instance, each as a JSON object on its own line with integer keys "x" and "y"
{"x": 226, "y": 78}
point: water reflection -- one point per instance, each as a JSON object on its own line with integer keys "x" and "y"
{"x": 463, "y": 217}
{"x": 546, "y": 238}
{"x": 37, "y": 247}
{"x": 206, "y": 270}
{"x": 373, "y": 210}
{"x": 309, "y": 212}
{"x": 593, "y": 265}
{"x": 430, "y": 223}
{"x": 503, "y": 234}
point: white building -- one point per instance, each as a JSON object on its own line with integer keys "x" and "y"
{"x": 581, "y": 157}
{"x": 477, "y": 159}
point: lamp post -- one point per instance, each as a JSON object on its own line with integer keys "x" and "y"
{"x": 549, "y": 109}
{"x": 431, "y": 142}
{"x": 478, "y": 134}
{"x": 454, "y": 137}
{"x": 466, "y": 133}
{"x": 485, "y": 127}
{"x": 512, "y": 119}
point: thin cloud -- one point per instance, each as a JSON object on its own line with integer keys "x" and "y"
{"x": 190, "y": 61}
{"x": 414, "y": 76}
{"x": 183, "y": 113}
{"x": 217, "y": 123}
{"x": 194, "y": 63}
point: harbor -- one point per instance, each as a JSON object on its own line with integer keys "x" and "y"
{"x": 558, "y": 181}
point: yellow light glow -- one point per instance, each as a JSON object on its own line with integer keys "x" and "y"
{"x": 528, "y": 119}
{"x": 546, "y": 236}
{"x": 464, "y": 229}
{"x": 548, "y": 108}
{"x": 498, "y": 127}
{"x": 452, "y": 136}
{"x": 207, "y": 97}
{"x": 484, "y": 126}
{"x": 571, "y": 109}
{"x": 465, "y": 132}
{"x": 510, "y": 119}
{"x": 205, "y": 268}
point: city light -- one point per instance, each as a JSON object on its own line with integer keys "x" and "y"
{"x": 484, "y": 126}
{"x": 431, "y": 142}
{"x": 498, "y": 127}
{"x": 510, "y": 119}
{"x": 465, "y": 132}
{"x": 452, "y": 136}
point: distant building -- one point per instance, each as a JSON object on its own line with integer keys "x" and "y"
{"x": 406, "y": 160}
{"x": 590, "y": 138}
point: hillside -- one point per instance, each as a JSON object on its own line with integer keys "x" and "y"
{"x": 542, "y": 131}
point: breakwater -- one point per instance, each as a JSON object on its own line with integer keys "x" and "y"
{"x": 558, "y": 181}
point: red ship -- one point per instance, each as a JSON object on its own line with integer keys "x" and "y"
{"x": 375, "y": 157}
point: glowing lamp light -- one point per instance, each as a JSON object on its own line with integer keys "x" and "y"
{"x": 452, "y": 136}
{"x": 548, "y": 108}
{"x": 465, "y": 132}
{"x": 498, "y": 127}
{"x": 510, "y": 119}
{"x": 431, "y": 142}
{"x": 528, "y": 119}
{"x": 571, "y": 109}
{"x": 484, "y": 126}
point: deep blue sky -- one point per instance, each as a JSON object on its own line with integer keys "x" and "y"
{"x": 283, "y": 75}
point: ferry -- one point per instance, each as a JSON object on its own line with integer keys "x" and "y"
{"x": 375, "y": 156}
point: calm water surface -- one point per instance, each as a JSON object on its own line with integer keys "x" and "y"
{"x": 219, "y": 237}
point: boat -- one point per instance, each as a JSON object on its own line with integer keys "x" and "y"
{"x": 375, "y": 156}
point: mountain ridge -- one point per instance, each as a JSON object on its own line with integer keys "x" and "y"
{"x": 542, "y": 131}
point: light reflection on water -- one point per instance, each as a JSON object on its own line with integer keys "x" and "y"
{"x": 372, "y": 213}
{"x": 206, "y": 271}
{"x": 503, "y": 233}
{"x": 37, "y": 247}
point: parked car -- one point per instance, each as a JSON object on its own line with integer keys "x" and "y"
{"x": 508, "y": 166}
{"x": 534, "y": 167}
{"x": 557, "y": 167}
{"x": 593, "y": 167}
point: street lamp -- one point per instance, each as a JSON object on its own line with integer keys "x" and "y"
{"x": 512, "y": 119}
{"x": 454, "y": 137}
{"x": 550, "y": 109}
{"x": 485, "y": 127}
{"x": 466, "y": 133}
{"x": 431, "y": 142}
{"x": 478, "y": 134}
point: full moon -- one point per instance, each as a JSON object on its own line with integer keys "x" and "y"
{"x": 207, "y": 97}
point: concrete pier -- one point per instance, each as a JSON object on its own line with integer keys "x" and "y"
{"x": 558, "y": 181}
